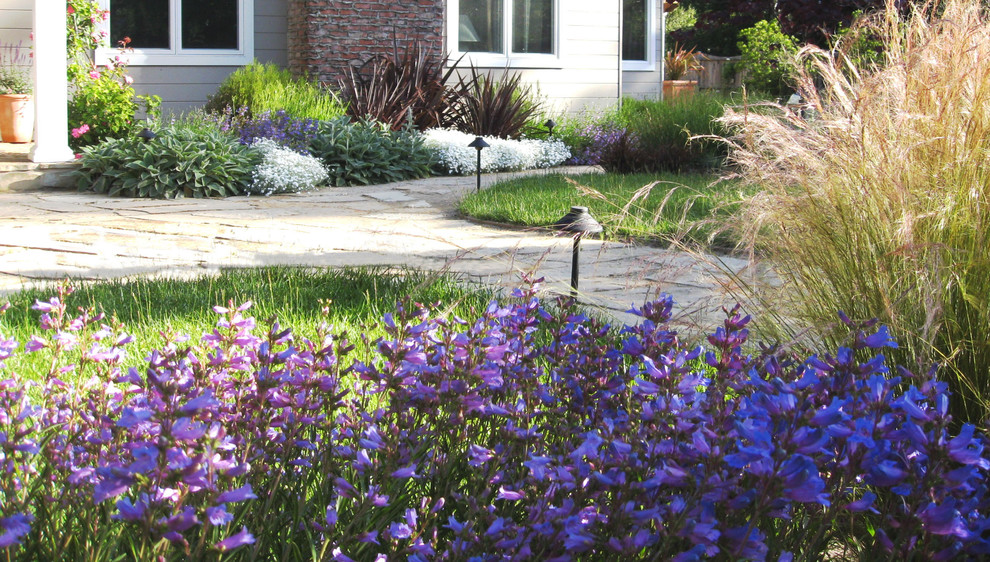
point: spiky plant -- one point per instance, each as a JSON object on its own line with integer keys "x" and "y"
{"x": 498, "y": 107}
{"x": 401, "y": 87}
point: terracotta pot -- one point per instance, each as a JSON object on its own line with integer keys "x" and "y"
{"x": 16, "y": 118}
{"x": 679, "y": 88}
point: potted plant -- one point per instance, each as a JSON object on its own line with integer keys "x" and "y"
{"x": 676, "y": 63}
{"x": 16, "y": 101}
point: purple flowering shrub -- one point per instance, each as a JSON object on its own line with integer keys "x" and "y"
{"x": 593, "y": 142}
{"x": 526, "y": 433}
{"x": 282, "y": 128}
{"x": 617, "y": 149}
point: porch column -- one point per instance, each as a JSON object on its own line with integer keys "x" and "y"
{"x": 51, "y": 116}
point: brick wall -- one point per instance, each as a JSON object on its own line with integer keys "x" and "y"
{"x": 326, "y": 35}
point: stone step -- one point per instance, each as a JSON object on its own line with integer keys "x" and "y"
{"x": 35, "y": 178}
{"x": 18, "y": 173}
{"x": 32, "y": 166}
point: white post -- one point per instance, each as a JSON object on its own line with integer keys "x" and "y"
{"x": 51, "y": 118}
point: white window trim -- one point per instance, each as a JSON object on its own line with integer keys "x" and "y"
{"x": 501, "y": 60}
{"x": 187, "y": 57}
{"x": 650, "y": 64}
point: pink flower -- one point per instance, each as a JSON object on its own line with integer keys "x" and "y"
{"x": 80, "y": 131}
{"x": 71, "y": 10}
{"x": 94, "y": 75}
{"x": 128, "y": 80}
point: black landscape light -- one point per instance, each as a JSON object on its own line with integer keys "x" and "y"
{"x": 550, "y": 124}
{"x": 146, "y": 134}
{"x": 579, "y": 222}
{"x": 478, "y": 144}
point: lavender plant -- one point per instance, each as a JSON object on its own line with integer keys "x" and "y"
{"x": 279, "y": 127}
{"x": 525, "y": 433}
{"x": 594, "y": 141}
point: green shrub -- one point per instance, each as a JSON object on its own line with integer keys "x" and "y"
{"x": 179, "y": 162}
{"x": 879, "y": 205}
{"x": 767, "y": 58}
{"x": 366, "y": 152}
{"x": 104, "y": 106}
{"x": 267, "y": 87}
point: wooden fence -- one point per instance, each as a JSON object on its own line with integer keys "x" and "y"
{"x": 717, "y": 73}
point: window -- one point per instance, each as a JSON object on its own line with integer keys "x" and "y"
{"x": 639, "y": 35}
{"x": 500, "y": 32}
{"x": 182, "y": 32}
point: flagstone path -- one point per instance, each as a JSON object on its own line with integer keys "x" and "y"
{"x": 53, "y": 234}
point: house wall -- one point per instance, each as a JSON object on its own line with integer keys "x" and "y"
{"x": 15, "y": 21}
{"x": 328, "y": 35}
{"x": 180, "y": 87}
{"x": 586, "y": 75}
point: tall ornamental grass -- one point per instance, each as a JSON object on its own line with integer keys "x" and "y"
{"x": 875, "y": 198}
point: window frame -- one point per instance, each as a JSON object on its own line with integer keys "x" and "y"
{"x": 650, "y": 64}
{"x": 506, "y": 59}
{"x": 176, "y": 56}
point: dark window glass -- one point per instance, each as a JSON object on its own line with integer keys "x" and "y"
{"x": 635, "y": 30}
{"x": 146, "y": 22}
{"x": 480, "y": 26}
{"x": 209, "y": 24}
{"x": 532, "y": 26}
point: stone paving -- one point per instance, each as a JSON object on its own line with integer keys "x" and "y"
{"x": 59, "y": 233}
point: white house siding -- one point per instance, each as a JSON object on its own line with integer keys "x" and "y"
{"x": 644, "y": 84}
{"x": 15, "y": 21}
{"x": 586, "y": 75}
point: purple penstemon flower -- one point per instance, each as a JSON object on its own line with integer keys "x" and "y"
{"x": 14, "y": 527}
{"x": 237, "y": 495}
{"x": 525, "y": 431}
{"x": 405, "y": 472}
{"x": 237, "y": 540}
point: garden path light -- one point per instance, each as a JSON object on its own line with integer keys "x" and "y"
{"x": 550, "y": 124}
{"x": 579, "y": 222}
{"x": 478, "y": 144}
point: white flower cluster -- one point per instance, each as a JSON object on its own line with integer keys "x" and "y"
{"x": 284, "y": 170}
{"x": 454, "y": 154}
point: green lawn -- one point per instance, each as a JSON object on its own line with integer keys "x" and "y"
{"x": 657, "y": 208}
{"x": 358, "y": 298}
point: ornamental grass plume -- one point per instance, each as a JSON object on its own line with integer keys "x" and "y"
{"x": 875, "y": 199}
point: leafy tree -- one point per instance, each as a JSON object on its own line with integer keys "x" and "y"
{"x": 766, "y": 55}
{"x": 814, "y": 21}
{"x": 716, "y": 30}
{"x": 719, "y": 22}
